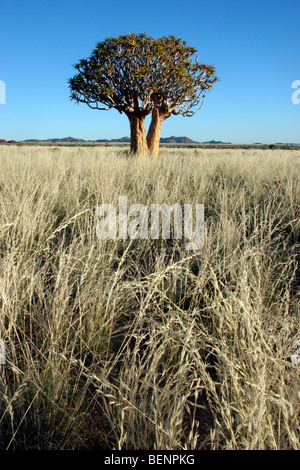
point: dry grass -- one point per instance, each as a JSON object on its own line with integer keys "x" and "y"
{"x": 140, "y": 344}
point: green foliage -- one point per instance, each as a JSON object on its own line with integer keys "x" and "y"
{"x": 138, "y": 73}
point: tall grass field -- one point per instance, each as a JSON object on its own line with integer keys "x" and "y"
{"x": 139, "y": 343}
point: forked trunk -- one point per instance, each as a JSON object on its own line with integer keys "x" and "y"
{"x": 138, "y": 142}
{"x": 153, "y": 136}
{"x": 140, "y": 145}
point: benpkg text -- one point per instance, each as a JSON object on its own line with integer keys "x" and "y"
{"x": 171, "y": 459}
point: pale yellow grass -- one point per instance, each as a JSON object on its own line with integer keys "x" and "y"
{"x": 140, "y": 344}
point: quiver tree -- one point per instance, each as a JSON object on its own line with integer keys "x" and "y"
{"x": 139, "y": 75}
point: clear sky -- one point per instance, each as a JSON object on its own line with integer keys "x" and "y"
{"x": 254, "y": 45}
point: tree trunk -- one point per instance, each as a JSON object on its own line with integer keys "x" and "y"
{"x": 138, "y": 142}
{"x": 153, "y": 136}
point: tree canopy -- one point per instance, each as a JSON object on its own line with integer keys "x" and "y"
{"x": 138, "y": 75}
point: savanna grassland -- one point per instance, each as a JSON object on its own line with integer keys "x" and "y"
{"x": 141, "y": 344}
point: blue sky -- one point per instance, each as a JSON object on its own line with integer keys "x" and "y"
{"x": 254, "y": 45}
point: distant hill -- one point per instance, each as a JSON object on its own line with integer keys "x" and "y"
{"x": 215, "y": 142}
{"x": 123, "y": 139}
{"x": 167, "y": 140}
{"x": 64, "y": 139}
{"x": 286, "y": 143}
{"x": 176, "y": 140}
{"x": 163, "y": 140}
